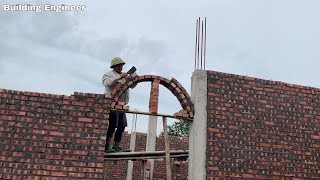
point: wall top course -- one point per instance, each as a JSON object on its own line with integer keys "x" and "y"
{"x": 257, "y": 81}
{"x": 57, "y": 96}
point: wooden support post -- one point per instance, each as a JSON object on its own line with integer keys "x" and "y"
{"x": 167, "y": 149}
{"x": 143, "y": 169}
{"x": 104, "y": 170}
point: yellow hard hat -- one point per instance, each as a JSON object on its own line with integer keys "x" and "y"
{"x": 116, "y": 61}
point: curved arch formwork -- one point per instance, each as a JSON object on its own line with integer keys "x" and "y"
{"x": 173, "y": 85}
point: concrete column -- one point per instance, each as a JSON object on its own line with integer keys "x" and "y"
{"x": 151, "y": 140}
{"x": 198, "y": 128}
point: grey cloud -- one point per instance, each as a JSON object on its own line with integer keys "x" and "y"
{"x": 53, "y": 47}
{"x": 104, "y": 49}
{"x": 150, "y": 56}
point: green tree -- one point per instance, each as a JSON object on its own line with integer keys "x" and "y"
{"x": 179, "y": 128}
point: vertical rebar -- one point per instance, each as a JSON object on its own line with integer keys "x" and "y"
{"x": 205, "y": 41}
{"x": 201, "y": 42}
{"x": 198, "y": 42}
{"x": 195, "y": 50}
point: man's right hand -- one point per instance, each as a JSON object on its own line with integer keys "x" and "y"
{"x": 123, "y": 75}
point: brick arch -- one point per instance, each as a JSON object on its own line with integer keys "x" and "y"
{"x": 173, "y": 85}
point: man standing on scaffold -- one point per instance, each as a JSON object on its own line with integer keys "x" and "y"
{"x": 117, "y": 120}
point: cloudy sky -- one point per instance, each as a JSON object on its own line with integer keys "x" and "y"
{"x": 63, "y": 53}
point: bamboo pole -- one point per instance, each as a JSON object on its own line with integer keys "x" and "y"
{"x": 143, "y": 169}
{"x": 167, "y": 149}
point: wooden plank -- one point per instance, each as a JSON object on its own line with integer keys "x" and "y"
{"x": 147, "y": 113}
{"x": 143, "y": 153}
{"x": 166, "y": 139}
{"x": 145, "y": 158}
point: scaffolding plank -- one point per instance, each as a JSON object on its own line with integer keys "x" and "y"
{"x": 180, "y": 156}
{"x": 143, "y": 153}
{"x": 147, "y": 113}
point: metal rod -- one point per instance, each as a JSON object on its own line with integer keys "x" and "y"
{"x": 201, "y": 41}
{"x": 166, "y": 139}
{"x": 195, "y": 48}
{"x": 205, "y": 41}
{"x": 198, "y": 42}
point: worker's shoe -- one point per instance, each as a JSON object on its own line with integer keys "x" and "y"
{"x": 117, "y": 148}
{"x": 107, "y": 148}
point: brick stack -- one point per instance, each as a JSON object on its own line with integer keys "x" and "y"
{"x": 121, "y": 106}
{"x": 120, "y": 87}
{"x": 261, "y": 129}
{"x": 154, "y": 96}
{"x": 182, "y": 113}
{"x": 173, "y": 85}
{"x": 56, "y": 136}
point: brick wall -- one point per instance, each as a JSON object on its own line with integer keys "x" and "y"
{"x": 46, "y": 136}
{"x": 118, "y": 170}
{"x": 56, "y": 136}
{"x": 262, "y": 129}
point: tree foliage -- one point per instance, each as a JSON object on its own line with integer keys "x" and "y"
{"x": 179, "y": 128}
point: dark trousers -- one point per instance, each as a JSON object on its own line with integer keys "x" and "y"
{"x": 118, "y": 134}
{"x": 117, "y": 121}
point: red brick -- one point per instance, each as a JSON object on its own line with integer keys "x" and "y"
{"x": 289, "y": 174}
{"x": 247, "y": 176}
{"x": 269, "y": 106}
{"x": 121, "y": 103}
{"x": 56, "y": 133}
{"x": 308, "y": 107}
{"x": 8, "y": 118}
{"x": 82, "y": 119}
{"x": 261, "y": 177}
{"x": 17, "y": 154}
{"x": 39, "y": 131}
{"x": 269, "y": 123}
{"x": 27, "y": 93}
{"x": 59, "y": 174}
{"x": 118, "y": 107}
{"x": 315, "y": 137}
{"x": 78, "y": 103}
{"x": 80, "y": 152}
{"x": 265, "y": 145}
{"x": 276, "y": 146}
{"x": 113, "y": 104}
{"x": 214, "y": 130}
{"x": 233, "y": 127}
{"x": 214, "y": 168}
